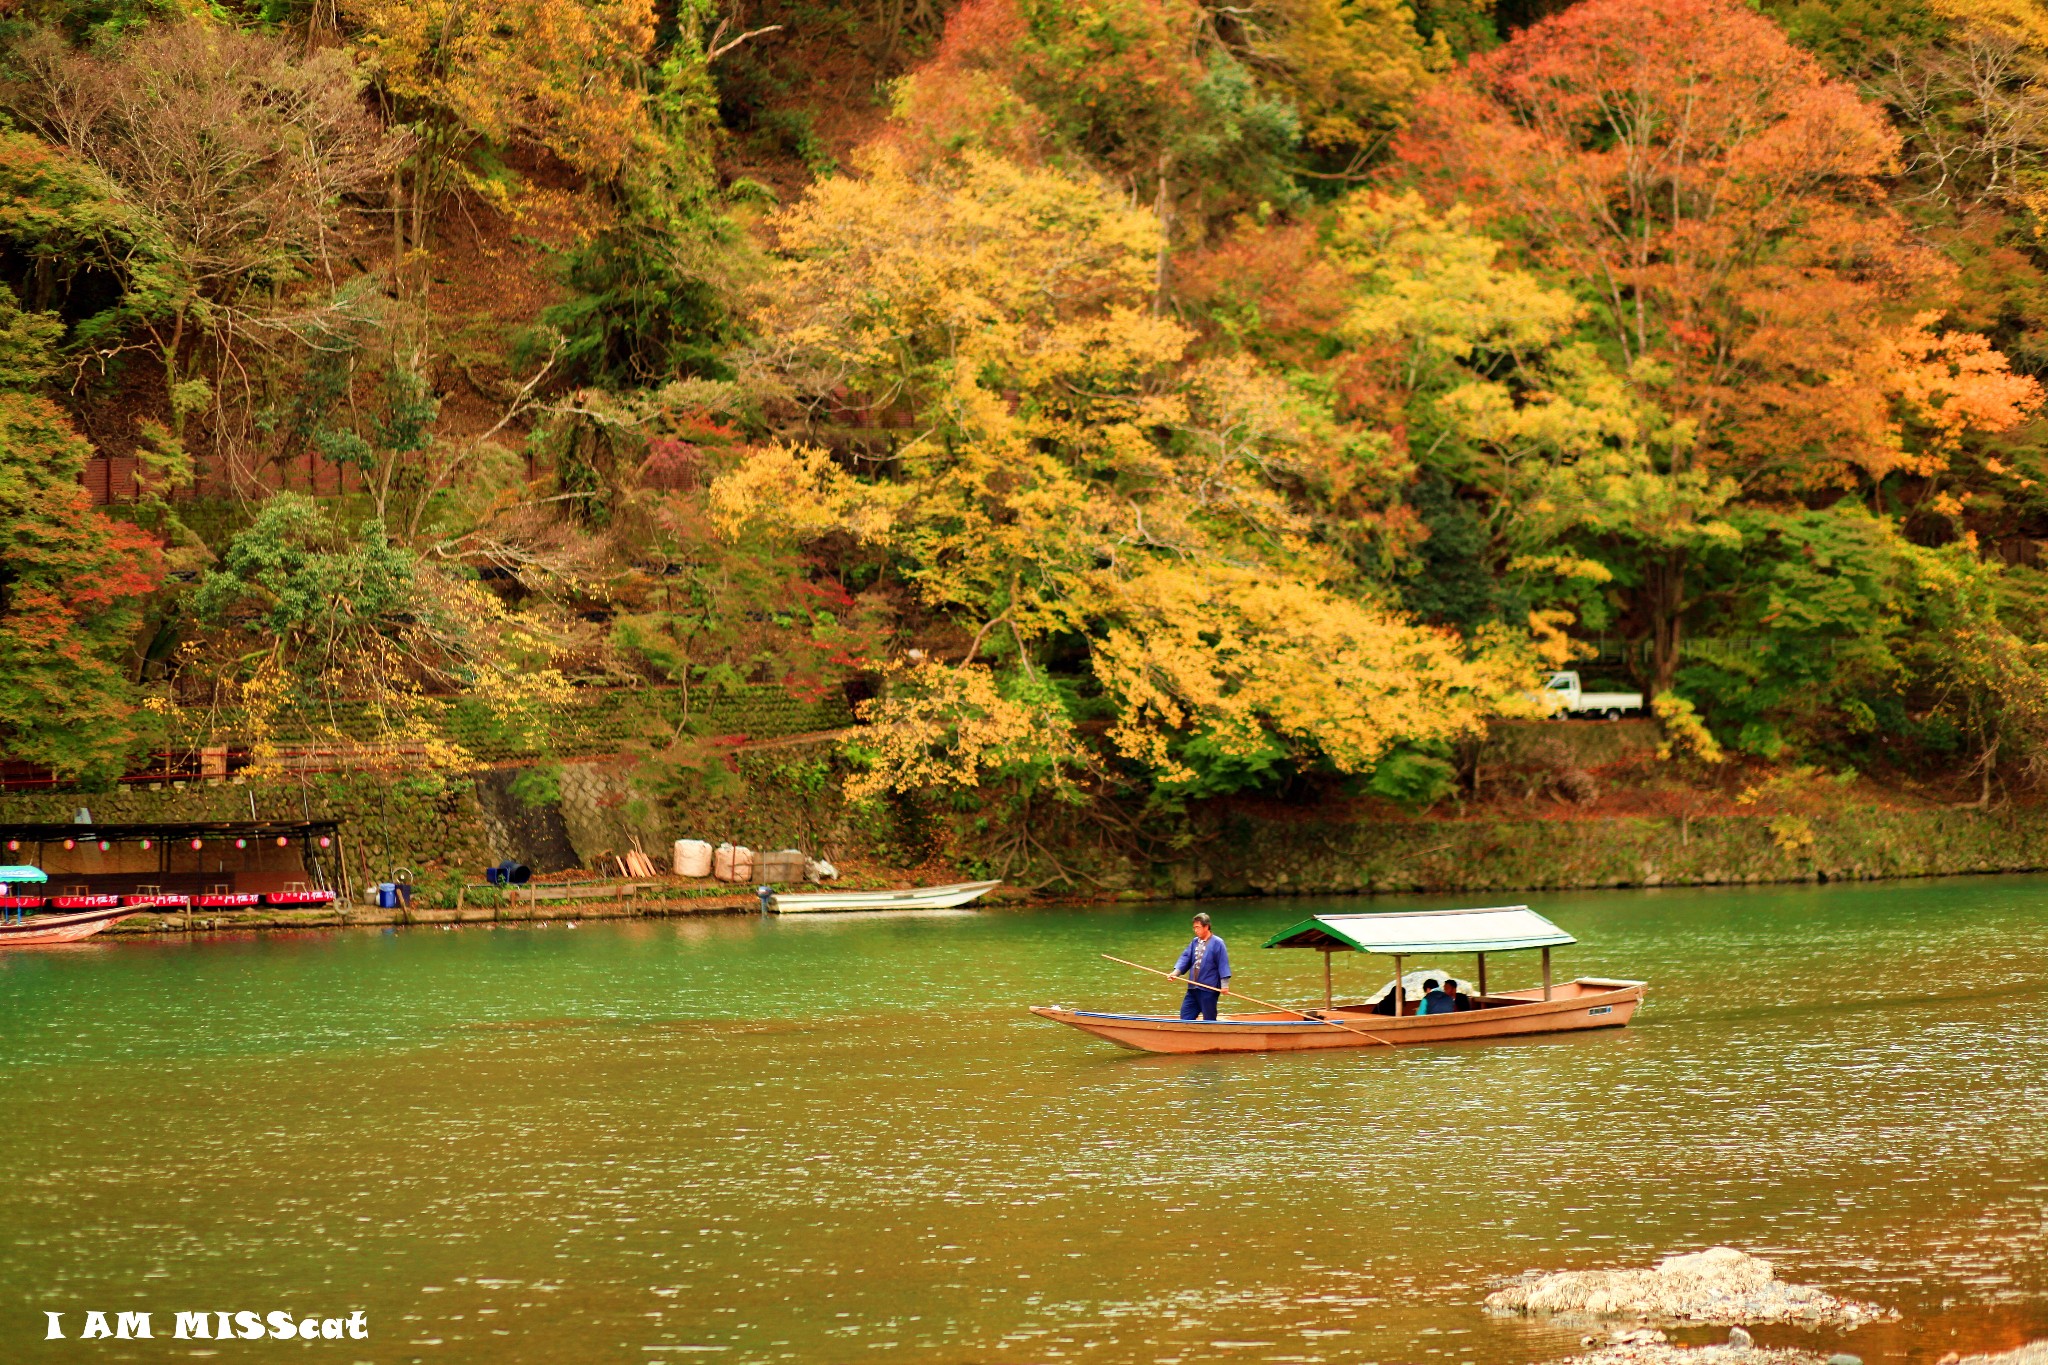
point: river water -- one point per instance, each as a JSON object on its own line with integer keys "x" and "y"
{"x": 843, "y": 1140}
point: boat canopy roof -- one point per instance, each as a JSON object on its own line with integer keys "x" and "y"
{"x": 22, "y": 874}
{"x": 1500, "y": 929}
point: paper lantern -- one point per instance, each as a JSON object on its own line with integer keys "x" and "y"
{"x": 71, "y": 843}
{"x": 325, "y": 841}
{"x": 106, "y": 845}
{"x": 14, "y": 845}
{"x": 148, "y": 844}
{"x": 241, "y": 843}
{"x": 283, "y": 842}
{"x": 198, "y": 843}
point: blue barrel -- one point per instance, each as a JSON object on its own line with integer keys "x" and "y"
{"x": 387, "y": 895}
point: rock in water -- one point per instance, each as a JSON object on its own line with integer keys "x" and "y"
{"x": 2034, "y": 1353}
{"x": 1719, "y": 1284}
{"x": 1664, "y": 1353}
{"x": 1740, "y": 1339}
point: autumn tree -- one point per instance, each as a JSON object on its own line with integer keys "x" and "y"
{"x": 569, "y": 77}
{"x": 328, "y": 633}
{"x": 234, "y": 160}
{"x": 1201, "y": 112}
{"x": 72, "y": 582}
{"x": 1714, "y": 195}
{"x": 1069, "y": 471}
{"x": 1585, "y": 483}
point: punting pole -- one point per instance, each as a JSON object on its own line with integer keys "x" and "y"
{"x": 1263, "y": 1004}
{"x": 1546, "y": 973}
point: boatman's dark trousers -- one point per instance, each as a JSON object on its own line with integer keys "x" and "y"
{"x": 1199, "y": 1003}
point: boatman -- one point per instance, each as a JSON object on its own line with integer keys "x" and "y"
{"x": 1204, "y": 963}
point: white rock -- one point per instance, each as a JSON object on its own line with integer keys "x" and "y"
{"x": 2034, "y": 1353}
{"x": 1719, "y": 1284}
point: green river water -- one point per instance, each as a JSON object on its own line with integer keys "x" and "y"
{"x": 843, "y": 1140}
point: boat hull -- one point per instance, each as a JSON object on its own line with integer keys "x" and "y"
{"x": 915, "y": 898}
{"x": 1576, "y": 1006}
{"x": 40, "y": 931}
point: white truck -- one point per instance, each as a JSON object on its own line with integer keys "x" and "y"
{"x": 1562, "y": 696}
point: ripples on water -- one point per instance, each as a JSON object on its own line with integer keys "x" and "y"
{"x": 841, "y": 1139}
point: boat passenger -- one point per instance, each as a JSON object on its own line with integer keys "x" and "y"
{"x": 1386, "y": 1003}
{"x": 1438, "y": 998}
{"x": 1464, "y": 1001}
{"x": 1204, "y": 963}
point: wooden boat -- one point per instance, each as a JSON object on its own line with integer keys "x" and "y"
{"x": 299, "y": 898}
{"x": 42, "y": 930}
{"x": 1587, "y": 1003}
{"x": 84, "y": 902}
{"x": 915, "y": 898}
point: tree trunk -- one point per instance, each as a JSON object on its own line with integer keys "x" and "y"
{"x": 1664, "y": 586}
{"x": 171, "y": 375}
{"x": 1163, "y": 206}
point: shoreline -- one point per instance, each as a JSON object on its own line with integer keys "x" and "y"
{"x": 371, "y": 916}
{"x": 656, "y": 905}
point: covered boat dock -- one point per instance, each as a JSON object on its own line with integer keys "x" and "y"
{"x": 230, "y": 861}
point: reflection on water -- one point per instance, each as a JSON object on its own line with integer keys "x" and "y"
{"x": 834, "y": 1139}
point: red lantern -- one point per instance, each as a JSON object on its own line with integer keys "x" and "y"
{"x": 146, "y": 845}
{"x": 197, "y": 844}
{"x": 105, "y": 844}
{"x": 241, "y": 843}
{"x": 324, "y": 841}
{"x": 71, "y": 843}
{"x": 283, "y": 842}
{"x": 14, "y": 845}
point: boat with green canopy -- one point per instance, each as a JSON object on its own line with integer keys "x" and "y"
{"x": 1395, "y": 1016}
{"x": 19, "y": 929}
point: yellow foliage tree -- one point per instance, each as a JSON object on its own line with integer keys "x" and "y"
{"x": 567, "y": 74}
{"x": 1587, "y": 475}
{"x": 1246, "y": 666}
{"x": 942, "y": 726}
{"x": 1064, "y": 467}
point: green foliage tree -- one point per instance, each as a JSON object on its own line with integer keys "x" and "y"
{"x": 335, "y": 636}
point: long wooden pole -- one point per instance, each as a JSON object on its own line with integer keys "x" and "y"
{"x": 1263, "y": 1004}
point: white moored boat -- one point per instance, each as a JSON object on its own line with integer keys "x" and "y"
{"x": 915, "y": 898}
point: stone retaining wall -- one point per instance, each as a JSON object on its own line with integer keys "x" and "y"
{"x": 1240, "y": 855}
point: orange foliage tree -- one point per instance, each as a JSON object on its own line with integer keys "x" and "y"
{"x": 72, "y": 581}
{"x": 1717, "y": 196}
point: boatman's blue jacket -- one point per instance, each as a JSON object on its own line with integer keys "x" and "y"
{"x": 1215, "y": 963}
